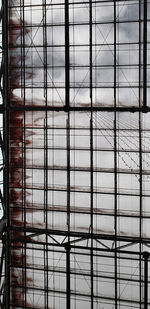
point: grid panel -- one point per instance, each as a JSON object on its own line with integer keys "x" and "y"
{"x": 78, "y": 206}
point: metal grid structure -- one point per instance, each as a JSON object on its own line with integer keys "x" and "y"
{"x": 77, "y": 153}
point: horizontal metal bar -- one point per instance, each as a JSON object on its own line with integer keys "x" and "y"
{"x": 81, "y": 189}
{"x": 82, "y": 210}
{"x": 73, "y": 293}
{"x": 85, "y": 169}
{"x": 133, "y": 239}
{"x": 71, "y": 24}
{"x": 70, "y": 3}
{"x": 131, "y": 109}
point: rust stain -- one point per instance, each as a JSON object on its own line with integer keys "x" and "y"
{"x": 16, "y": 161}
{"x": 17, "y": 141}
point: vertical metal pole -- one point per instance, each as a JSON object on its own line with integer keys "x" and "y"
{"x": 68, "y": 173}
{"x": 67, "y": 60}
{"x": 68, "y": 215}
{"x": 91, "y": 148}
{"x": 68, "y": 275}
{"x": 24, "y": 246}
{"x": 145, "y": 55}
{"x": 46, "y": 277}
{"x": 140, "y": 162}
{"x": 91, "y": 258}
{"x": 91, "y": 54}
{"x": 115, "y": 155}
{"x": 67, "y": 104}
{"x": 6, "y": 144}
{"x": 146, "y": 256}
{"x": 2, "y": 261}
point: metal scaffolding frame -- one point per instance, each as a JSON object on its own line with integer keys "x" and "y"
{"x": 76, "y": 154}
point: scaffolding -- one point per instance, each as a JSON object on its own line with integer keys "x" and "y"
{"x": 76, "y": 154}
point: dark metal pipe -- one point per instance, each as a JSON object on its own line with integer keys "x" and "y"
{"x": 131, "y": 109}
{"x": 146, "y": 257}
{"x": 67, "y": 61}
{"x": 145, "y": 55}
{"x": 68, "y": 275}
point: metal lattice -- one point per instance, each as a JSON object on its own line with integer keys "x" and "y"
{"x": 77, "y": 153}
